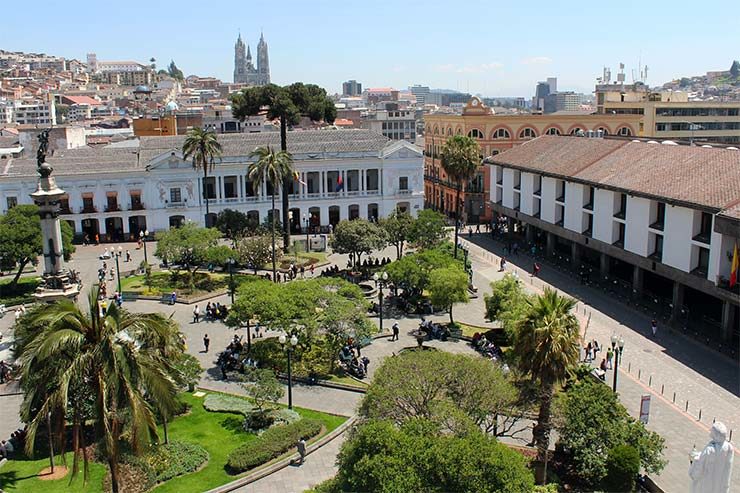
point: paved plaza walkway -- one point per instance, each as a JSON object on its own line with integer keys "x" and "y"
{"x": 659, "y": 367}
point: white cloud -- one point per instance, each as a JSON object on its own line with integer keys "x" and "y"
{"x": 537, "y": 60}
{"x": 468, "y": 69}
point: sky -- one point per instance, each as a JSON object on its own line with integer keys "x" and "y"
{"x": 490, "y": 47}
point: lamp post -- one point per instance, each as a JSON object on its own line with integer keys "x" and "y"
{"x": 231, "y": 278}
{"x": 118, "y": 270}
{"x": 617, "y": 347}
{"x": 289, "y": 349}
{"x": 308, "y": 227}
{"x": 143, "y": 236}
{"x": 380, "y": 280}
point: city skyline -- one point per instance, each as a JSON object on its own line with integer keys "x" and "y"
{"x": 402, "y": 44}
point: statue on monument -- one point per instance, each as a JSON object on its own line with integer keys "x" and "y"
{"x": 44, "y": 169}
{"x": 711, "y": 469}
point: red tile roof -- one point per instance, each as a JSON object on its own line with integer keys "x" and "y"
{"x": 81, "y": 100}
{"x": 704, "y": 177}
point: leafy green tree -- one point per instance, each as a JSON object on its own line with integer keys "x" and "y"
{"x": 413, "y": 270}
{"x": 273, "y": 168}
{"x": 203, "y": 147}
{"x": 623, "y": 465}
{"x": 445, "y": 388}
{"x": 428, "y": 229}
{"x": 119, "y": 371}
{"x": 507, "y": 302}
{"x": 288, "y": 104}
{"x": 254, "y": 251}
{"x": 175, "y": 72}
{"x": 68, "y": 235}
{"x": 189, "y": 247}
{"x": 20, "y": 238}
{"x": 546, "y": 348}
{"x": 187, "y": 371}
{"x": 460, "y": 160}
{"x": 593, "y": 420}
{"x": 735, "y": 69}
{"x": 234, "y": 224}
{"x": 382, "y": 458}
{"x": 264, "y": 388}
{"x": 447, "y": 287}
{"x": 356, "y": 237}
{"x": 397, "y": 227}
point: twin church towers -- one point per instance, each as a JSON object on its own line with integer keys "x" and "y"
{"x": 244, "y": 71}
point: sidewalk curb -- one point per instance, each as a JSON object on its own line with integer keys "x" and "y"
{"x": 282, "y": 464}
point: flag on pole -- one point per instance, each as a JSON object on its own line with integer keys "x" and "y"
{"x": 735, "y": 265}
{"x": 297, "y": 177}
{"x": 340, "y": 183}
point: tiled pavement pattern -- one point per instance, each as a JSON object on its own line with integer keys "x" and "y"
{"x": 678, "y": 364}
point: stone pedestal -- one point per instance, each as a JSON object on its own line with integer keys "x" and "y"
{"x": 57, "y": 281}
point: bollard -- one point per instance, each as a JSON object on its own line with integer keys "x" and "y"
{"x": 699, "y": 414}
{"x": 629, "y": 367}
{"x": 639, "y": 374}
{"x": 674, "y": 397}
{"x": 662, "y": 388}
{"x": 730, "y": 436}
{"x": 687, "y": 406}
{"x": 650, "y": 381}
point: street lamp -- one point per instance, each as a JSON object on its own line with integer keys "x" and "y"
{"x": 305, "y": 220}
{"x": 380, "y": 280}
{"x": 289, "y": 349}
{"x": 118, "y": 270}
{"x": 143, "y": 236}
{"x": 231, "y": 278}
{"x": 617, "y": 347}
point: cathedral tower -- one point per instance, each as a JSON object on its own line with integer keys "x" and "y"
{"x": 240, "y": 63}
{"x": 244, "y": 71}
{"x": 263, "y": 61}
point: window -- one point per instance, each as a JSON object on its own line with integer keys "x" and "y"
{"x": 111, "y": 203}
{"x": 589, "y": 220}
{"x": 552, "y": 131}
{"x": 559, "y": 214}
{"x": 517, "y": 180}
{"x": 589, "y": 196}
{"x": 475, "y": 133}
{"x": 537, "y": 187}
{"x": 624, "y": 132}
{"x": 560, "y": 191}
{"x": 175, "y": 195}
{"x": 659, "y": 219}
{"x": 702, "y": 264}
{"x": 11, "y": 202}
{"x": 603, "y": 130}
{"x": 403, "y": 183}
{"x": 502, "y": 133}
{"x": 657, "y": 253}
{"x": 705, "y": 228}
{"x": 87, "y": 204}
{"x": 577, "y": 131}
{"x": 527, "y": 133}
{"x": 620, "y": 235}
{"x": 621, "y": 209}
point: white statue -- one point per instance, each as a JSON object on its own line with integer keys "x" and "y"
{"x": 710, "y": 470}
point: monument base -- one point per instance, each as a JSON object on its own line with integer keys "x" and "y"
{"x": 55, "y": 288}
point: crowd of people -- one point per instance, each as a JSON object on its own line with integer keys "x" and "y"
{"x": 352, "y": 361}
{"x": 212, "y": 312}
{"x": 17, "y": 441}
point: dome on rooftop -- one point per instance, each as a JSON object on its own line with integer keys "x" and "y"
{"x": 142, "y": 89}
{"x": 171, "y": 106}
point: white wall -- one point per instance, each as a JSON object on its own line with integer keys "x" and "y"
{"x": 677, "y": 237}
{"x": 603, "y": 215}
{"x": 508, "y": 187}
{"x": 636, "y": 227}
{"x": 548, "y": 199}
{"x": 573, "y": 207}
{"x": 527, "y": 201}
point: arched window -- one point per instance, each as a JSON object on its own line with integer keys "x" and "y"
{"x": 552, "y": 131}
{"x": 576, "y": 130}
{"x": 449, "y": 131}
{"x": 501, "y": 133}
{"x": 475, "y": 133}
{"x": 603, "y": 130}
{"x": 459, "y": 131}
{"x": 527, "y": 133}
{"x": 624, "y": 132}
{"x": 436, "y": 131}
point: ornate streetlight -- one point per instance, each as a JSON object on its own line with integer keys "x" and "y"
{"x": 289, "y": 349}
{"x": 231, "y": 278}
{"x": 117, "y": 255}
{"x": 143, "y": 235}
{"x": 380, "y": 281}
{"x": 617, "y": 347}
{"x": 308, "y": 227}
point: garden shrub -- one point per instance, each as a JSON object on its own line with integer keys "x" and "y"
{"x": 175, "y": 459}
{"x": 223, "y": 403}
{"x": 270, "y": 444}
{"x": 622, "y": 467}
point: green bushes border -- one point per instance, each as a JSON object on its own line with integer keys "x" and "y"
{"x": 271, "y": 444}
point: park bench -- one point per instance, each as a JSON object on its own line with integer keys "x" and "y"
{"x": 166, "y": 298}
{"x": 129, "y": 296}
{"x": 599, "y": 373}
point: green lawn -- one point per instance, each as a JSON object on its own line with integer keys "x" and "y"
{"x": 23, "y": 293}
{"x": 219, "y": 433}
{"x": 347, "y": 381}
{"x": 161, "y": 283}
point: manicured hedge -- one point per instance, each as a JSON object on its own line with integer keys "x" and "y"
{"x": 222, "y": 403}
{"x": 175, "y": 459}
{"x": 270, "y": 444}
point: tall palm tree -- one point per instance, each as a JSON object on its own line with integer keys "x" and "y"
{"x": 203, "y": 147}
{"x": 273, "y": 168}
{"x": 288, "y": 104}
{"x": 111, "y": 354}
{"x": 460, "y": 160}
{"x": 546, "y": 345}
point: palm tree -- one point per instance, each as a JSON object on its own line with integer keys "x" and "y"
{"x": 203, "y": 147}
{"x": 111, "y": 354}
{"x": 546, "y": 345}
{"x": 273, "y": 168}
{"x": 460, "y": 159}
{"x": 288, "y": 104}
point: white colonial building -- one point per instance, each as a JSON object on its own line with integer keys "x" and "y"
{"x": 660, "y": 220}
{"x": 121, "y": 190}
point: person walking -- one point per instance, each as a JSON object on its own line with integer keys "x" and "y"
{"x": 536, "y": 269}
{"x": 654, "y": 327}
{"x": 301, "y": 447}
{"x": 128, "y": 255}
{"x": 206, "y": 342}
{"x": 173, "y": 298}
{"x": 589, "y": 352}
{"x": 395, "y": 332}
{"x": 196, "y": 314}
{"x": 312, "y": 270}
